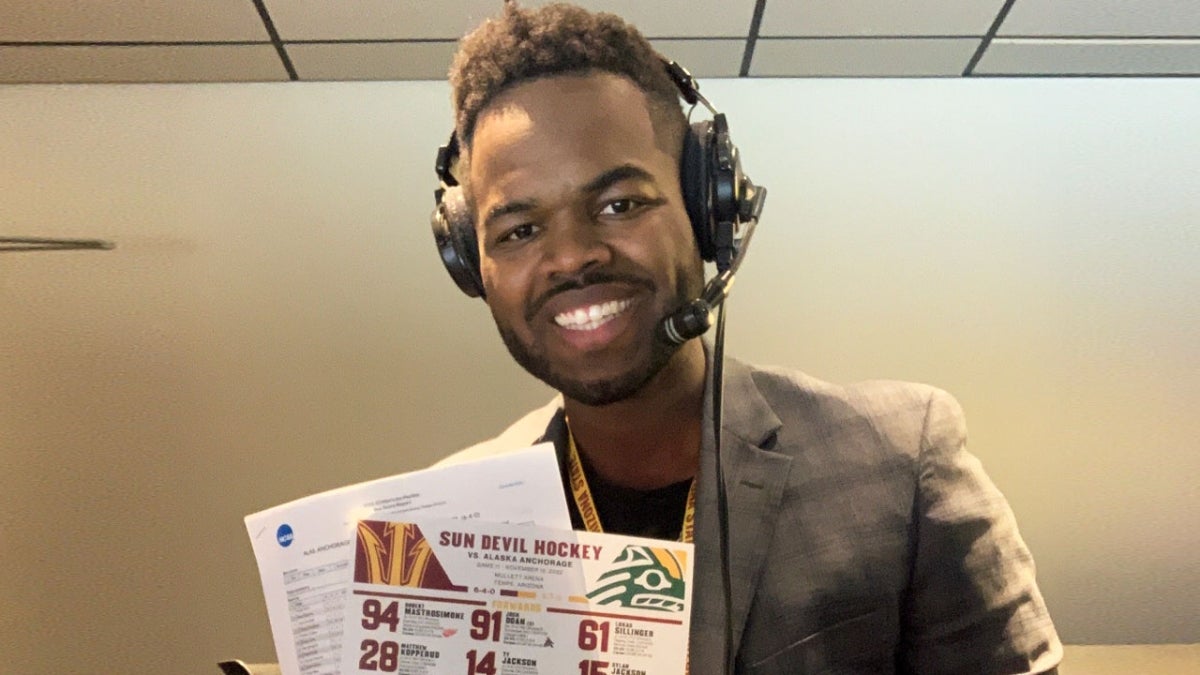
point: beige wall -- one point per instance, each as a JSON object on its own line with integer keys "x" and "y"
{"x": 275, "y": 322}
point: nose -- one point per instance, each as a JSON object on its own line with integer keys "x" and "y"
{"x": 574, "y": 244}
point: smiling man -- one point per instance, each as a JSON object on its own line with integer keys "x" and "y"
{"x": 585, "y": 246}
{"x": 863, "y": 537}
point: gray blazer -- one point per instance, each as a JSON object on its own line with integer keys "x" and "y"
{"x": 864, "y": 537}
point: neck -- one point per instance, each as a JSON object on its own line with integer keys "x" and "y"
{"x": 651, "y": 439}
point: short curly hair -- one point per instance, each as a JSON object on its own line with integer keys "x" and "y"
{"x": 559, "y": 39}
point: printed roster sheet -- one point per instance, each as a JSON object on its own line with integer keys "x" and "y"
{"x": 436, "y": 596}
{"x": 305, "y": 549}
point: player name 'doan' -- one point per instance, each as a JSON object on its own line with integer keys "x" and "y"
{"x": 546, "y": 547}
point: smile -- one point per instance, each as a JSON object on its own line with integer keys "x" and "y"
{"x": 592, "y": 317}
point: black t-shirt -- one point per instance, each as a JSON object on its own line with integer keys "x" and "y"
{"x": 657, "y": 513}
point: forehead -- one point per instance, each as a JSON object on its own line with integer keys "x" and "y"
{"x": 562, "y": 130}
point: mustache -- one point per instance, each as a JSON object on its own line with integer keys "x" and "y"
{"x": 583, "y": 280}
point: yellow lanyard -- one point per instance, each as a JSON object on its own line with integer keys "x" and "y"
{"x": 587, "y": 506}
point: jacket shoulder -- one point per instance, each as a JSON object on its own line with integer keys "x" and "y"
{"x": 894, "y": 412}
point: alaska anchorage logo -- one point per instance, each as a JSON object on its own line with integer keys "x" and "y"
{"x": 643, "y": 577}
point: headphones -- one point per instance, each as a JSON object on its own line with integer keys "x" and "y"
{"x": 718, "y": 197}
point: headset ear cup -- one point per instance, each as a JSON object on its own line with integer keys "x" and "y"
{"x": 725, "y": 173}
{"x": 454, "y": 234}
{"x": 695, "y": 183}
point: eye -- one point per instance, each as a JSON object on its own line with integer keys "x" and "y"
{"x": 519, "y": 233}
{"x": 620, "y": 207}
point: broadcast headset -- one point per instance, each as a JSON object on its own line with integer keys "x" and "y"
{"x": 722, "y": 204}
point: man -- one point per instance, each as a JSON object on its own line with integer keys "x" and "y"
{"x": 863, "y": 537}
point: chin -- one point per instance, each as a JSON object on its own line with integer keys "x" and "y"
{"x": 600, "y": 390}
{"x": 596, "y": 386}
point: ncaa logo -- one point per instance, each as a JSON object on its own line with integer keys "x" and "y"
{"x": 284, "y": 535}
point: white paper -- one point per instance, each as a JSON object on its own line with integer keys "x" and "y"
{"x": 437, "y": 596}
{"x": 305, "y": 548}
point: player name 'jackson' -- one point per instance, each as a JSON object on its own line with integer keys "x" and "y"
{"x": 546, "y": 547}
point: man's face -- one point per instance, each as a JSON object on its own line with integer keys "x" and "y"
{"x": 584, "y": 240}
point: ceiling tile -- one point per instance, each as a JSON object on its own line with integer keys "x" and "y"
{"x": 450, "y": 19}
{"x": 377, "y": 19}
{"x": 221, "y": 63}
{"x": 372, "y": 61}
{"x": 879, "y": 17}
{"x": 681, "y": 18}
{"x": 705, "y": 58}
{"x": 130, "y": 21}
{"x": 1068, "y": 18}
{"x": 1090, "y": 57}
{"x": 862, "y": 57}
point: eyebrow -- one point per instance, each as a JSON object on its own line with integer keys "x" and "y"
{"x": 506, "y": 209}
{"x": 616, "y": 175}
{"x": 598, "y": 184}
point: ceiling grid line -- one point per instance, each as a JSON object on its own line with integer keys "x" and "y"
{"x": 760, "y": 6}
{"x": 275, "y": 40}
{"x": 1092, "y": 75}
{"x": 988, "y": 37}
{"x": 136, "y": 43}
{"x": 1101, "y": 38}
{"x": 867, "y": 38}
{"x": 371, "y": 41}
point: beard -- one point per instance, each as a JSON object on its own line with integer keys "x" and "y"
{"x": 688, "y": 286}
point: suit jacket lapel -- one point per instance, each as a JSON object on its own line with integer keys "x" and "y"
{"x": 556, "y": 433}
{"x": 755, "y": 479}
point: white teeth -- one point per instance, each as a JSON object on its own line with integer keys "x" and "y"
{"x": 592, "y": 317}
